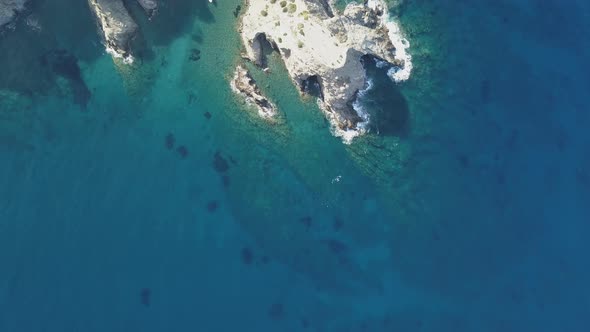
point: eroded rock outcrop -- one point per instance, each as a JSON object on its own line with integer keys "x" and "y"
{"x": 244, "y": 85}
{"x": 117, "y": 26}
{"x": 9, "y": 9}
{"x": 317, "y": 42}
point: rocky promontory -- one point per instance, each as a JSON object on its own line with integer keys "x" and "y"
{"x": 117, "y": 26}
{"x": 9, "y": 9}
{"x": 324, "y": 47}
{"x": 244, "y": 85}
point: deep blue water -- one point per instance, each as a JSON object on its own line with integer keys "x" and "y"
{"x": 147, "y": 198}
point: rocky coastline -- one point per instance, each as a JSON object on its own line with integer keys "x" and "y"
{"x": 322, "y": 46}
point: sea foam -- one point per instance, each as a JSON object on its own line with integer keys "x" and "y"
{"x": 126, "y": 59}
{"x": 361, "y": 127}
{"x": 401, "y": 44}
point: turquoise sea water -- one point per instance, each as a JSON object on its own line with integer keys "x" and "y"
{"x": 148, "y": 198}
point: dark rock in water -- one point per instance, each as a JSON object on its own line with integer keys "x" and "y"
{"x": 145, "y": 296}
{"x": 195, "y": 55}
{"x": 212, "y": 206}
{"x": 336, "y": 246}
{"x": 304, "y": 323}
{"x": 247, "y": 256}
{"x": 237, "y": 11}
{"x": 337, "y": 224}
{"x": 500, "y": 178}
{"x": 583, "y": 177}
{"x": 463, "y": 160}
{"x": 13, "y": 143}
{"x": 81, "y": 94}
{"x": 512, "y": 139}
{"x": 219, "y": 163}
{"x": 191, "y": 98}
{"x": 276, "y": 311}
{"x": 435, "y": 235}
{"x": 64, "y": 64}
{"x": 485, "y": 91}
{"x": 182, "y": 151}
{"x": 306, "y": 221}
{"x": 150, "y": 7}
{"x": 207, "y": 115}
{"x": 225, "y": 181}
{"x": 170, "y": 141}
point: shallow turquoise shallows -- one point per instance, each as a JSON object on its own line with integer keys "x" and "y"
{"x": 147, "y": 197}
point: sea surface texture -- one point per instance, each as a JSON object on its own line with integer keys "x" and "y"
{"x": 147, "y": 197}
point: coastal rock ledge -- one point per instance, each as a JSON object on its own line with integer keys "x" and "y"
{"x": 323, "y": 47}
{"x": 117, "y": 26}
{"x": 244, "y": 85}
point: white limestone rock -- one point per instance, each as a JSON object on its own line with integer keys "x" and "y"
{"x": 316, "y": 42}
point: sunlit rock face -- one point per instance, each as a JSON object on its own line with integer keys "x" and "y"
{"x": 117, "y": 26}
{"x": 9, "y": 9}
{"x": 317, "y": 42}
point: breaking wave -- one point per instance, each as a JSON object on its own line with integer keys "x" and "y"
{"x": 361, "y": 127}
{"x": 401, "y": 44}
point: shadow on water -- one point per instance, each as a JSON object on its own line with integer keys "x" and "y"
{"x": 174, "y": 18}
{"x": 30, "y": 65}
{"x": 387, "y": 106}
{"x": 44, "y": 46}
{"x": 65, "y": 64}
{"x": 56, "y": 19}
{"x": 266, "y": 48}
{"x": 19, "y": 61}
{"x": 312, "y": 86}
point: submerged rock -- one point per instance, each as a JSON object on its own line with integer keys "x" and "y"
{"x": 212, "y": 206}
{"x": 219, "y": 163}
{"x": 150, "y": 6}
{"x": 9, "y": 10}
{"x": 195, "y": 55}
{"x": 65, "y": 64}
{"x": 145, "y": 297}
{"x": 319, "y": 44}
{"x": 182, "y": 151}
{"x": 244, "y": 85}
{"x": 169, "y": 141}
